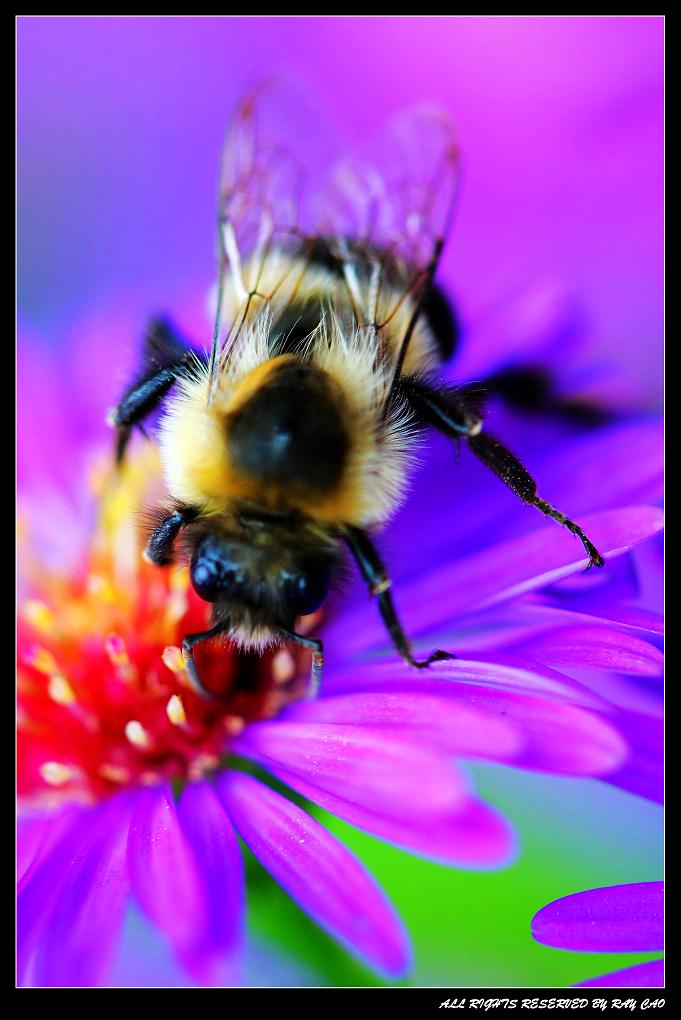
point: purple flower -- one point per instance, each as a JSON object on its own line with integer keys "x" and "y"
{"x": 616, "y": 919}
{"x": 375, "y": 748}
{"x": 557, "y": 671}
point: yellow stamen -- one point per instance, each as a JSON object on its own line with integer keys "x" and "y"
{"x": 56, "y": 773}
{"x": 102, "y": 588}
{"x": 283, "y": 667}
{"x": 175, "y": 711}
{"x": 114, "y": 773}
{"x": 60, "y": 690}
{"x": 42, "y": 660}
{"x": 39, "y": 616}
{"x": 118, "y": 655}
{"x": 137, "y": 735}
{"x": 172, "y": 658}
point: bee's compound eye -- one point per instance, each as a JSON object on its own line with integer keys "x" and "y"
{"x": 305, "y": 590}
{"x": 213, "y": 571}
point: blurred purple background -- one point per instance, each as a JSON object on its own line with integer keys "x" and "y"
{"x": 560, "y": 120}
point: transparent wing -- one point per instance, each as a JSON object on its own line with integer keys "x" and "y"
{"x": 383, "y": 214}
{"x": 389, "y": 211}
{"x": 275, "y": 147}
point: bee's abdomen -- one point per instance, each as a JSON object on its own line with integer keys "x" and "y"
{"x": 291, "y": 432}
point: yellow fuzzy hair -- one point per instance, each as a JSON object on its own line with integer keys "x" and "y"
{"x": 193, "y": 432}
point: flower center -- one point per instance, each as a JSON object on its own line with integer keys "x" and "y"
{"x": 104, "y": 698}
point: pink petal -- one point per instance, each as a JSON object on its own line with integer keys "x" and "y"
{"x": 214, "y": 956}
{"x": 427, "y": 719}
{"x": 642, "y": 772}
{"x": 496, "y": 670}
{"x": 318, "y": 872}
{"x": 615, "y": 919}
{"x": 363, "y": 764}
{"x": 87, "y": 919}
{"x": 628, "y": 617}
{"x": 473, "y": 836}
{"x": 165, "y": 873}
{"x": 584, "y": 647}
{"x": 73, "y": 834}
{"x": 557, "y": 737}
{"x": 32, "y": 832}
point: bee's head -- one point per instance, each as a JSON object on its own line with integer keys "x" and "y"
{"x": 271, "y": 581}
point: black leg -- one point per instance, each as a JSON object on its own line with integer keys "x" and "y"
{"x": 374, "y": 573}
{"x": 159, "y": 548}
{"x": 166, "y": 358}
{"x": 188, "y": 645}
{"x": 449, "y": 412}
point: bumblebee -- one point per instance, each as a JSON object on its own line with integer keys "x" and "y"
{"x": 293, "y": 438}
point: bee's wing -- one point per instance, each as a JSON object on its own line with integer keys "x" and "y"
{"x": 390, "y": 212}
{"x": 265, "y": 199}
{"x": 384, "y": 214}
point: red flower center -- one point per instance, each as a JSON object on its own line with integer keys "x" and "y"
{"x": 104, "y": 699}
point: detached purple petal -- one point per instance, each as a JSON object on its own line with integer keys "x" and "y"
{"x": 318, "y": 872}
{"x": 615, "y": 919}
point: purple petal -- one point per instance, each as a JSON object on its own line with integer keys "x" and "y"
{"x": 318, "y": 872}
{"x": 643, "y": 771}
{"x": 584, "y": 647}
{"x": 214, "y": 956}
{"x": 615, "y": 919}
{"x": 631, "y": 618}
{"x": 86, "y": 922}
{"x": 362, "y": 764}
{"x": 641, "y": 975}
{"x": 32, "y": 832}
{"x": 622, "y": 466}
{"x": 165, "y": 874}
{"x": 572, "y": 476}
{"x": 557, "y": 737}
{"x": 425, "y": 718}
{"x": 506, "y": 672}
{"x": 69, "y": 842}
{"x": 438, "y": 597}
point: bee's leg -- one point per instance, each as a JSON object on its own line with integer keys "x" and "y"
{"x": 188, "y": 644}
{"x": 448, "y": 411}
{"x": 317, "y": 649}
{"x": 374, "y": 573}
{"x": 159, "y": 548}
{"x": 166, "y": 357}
